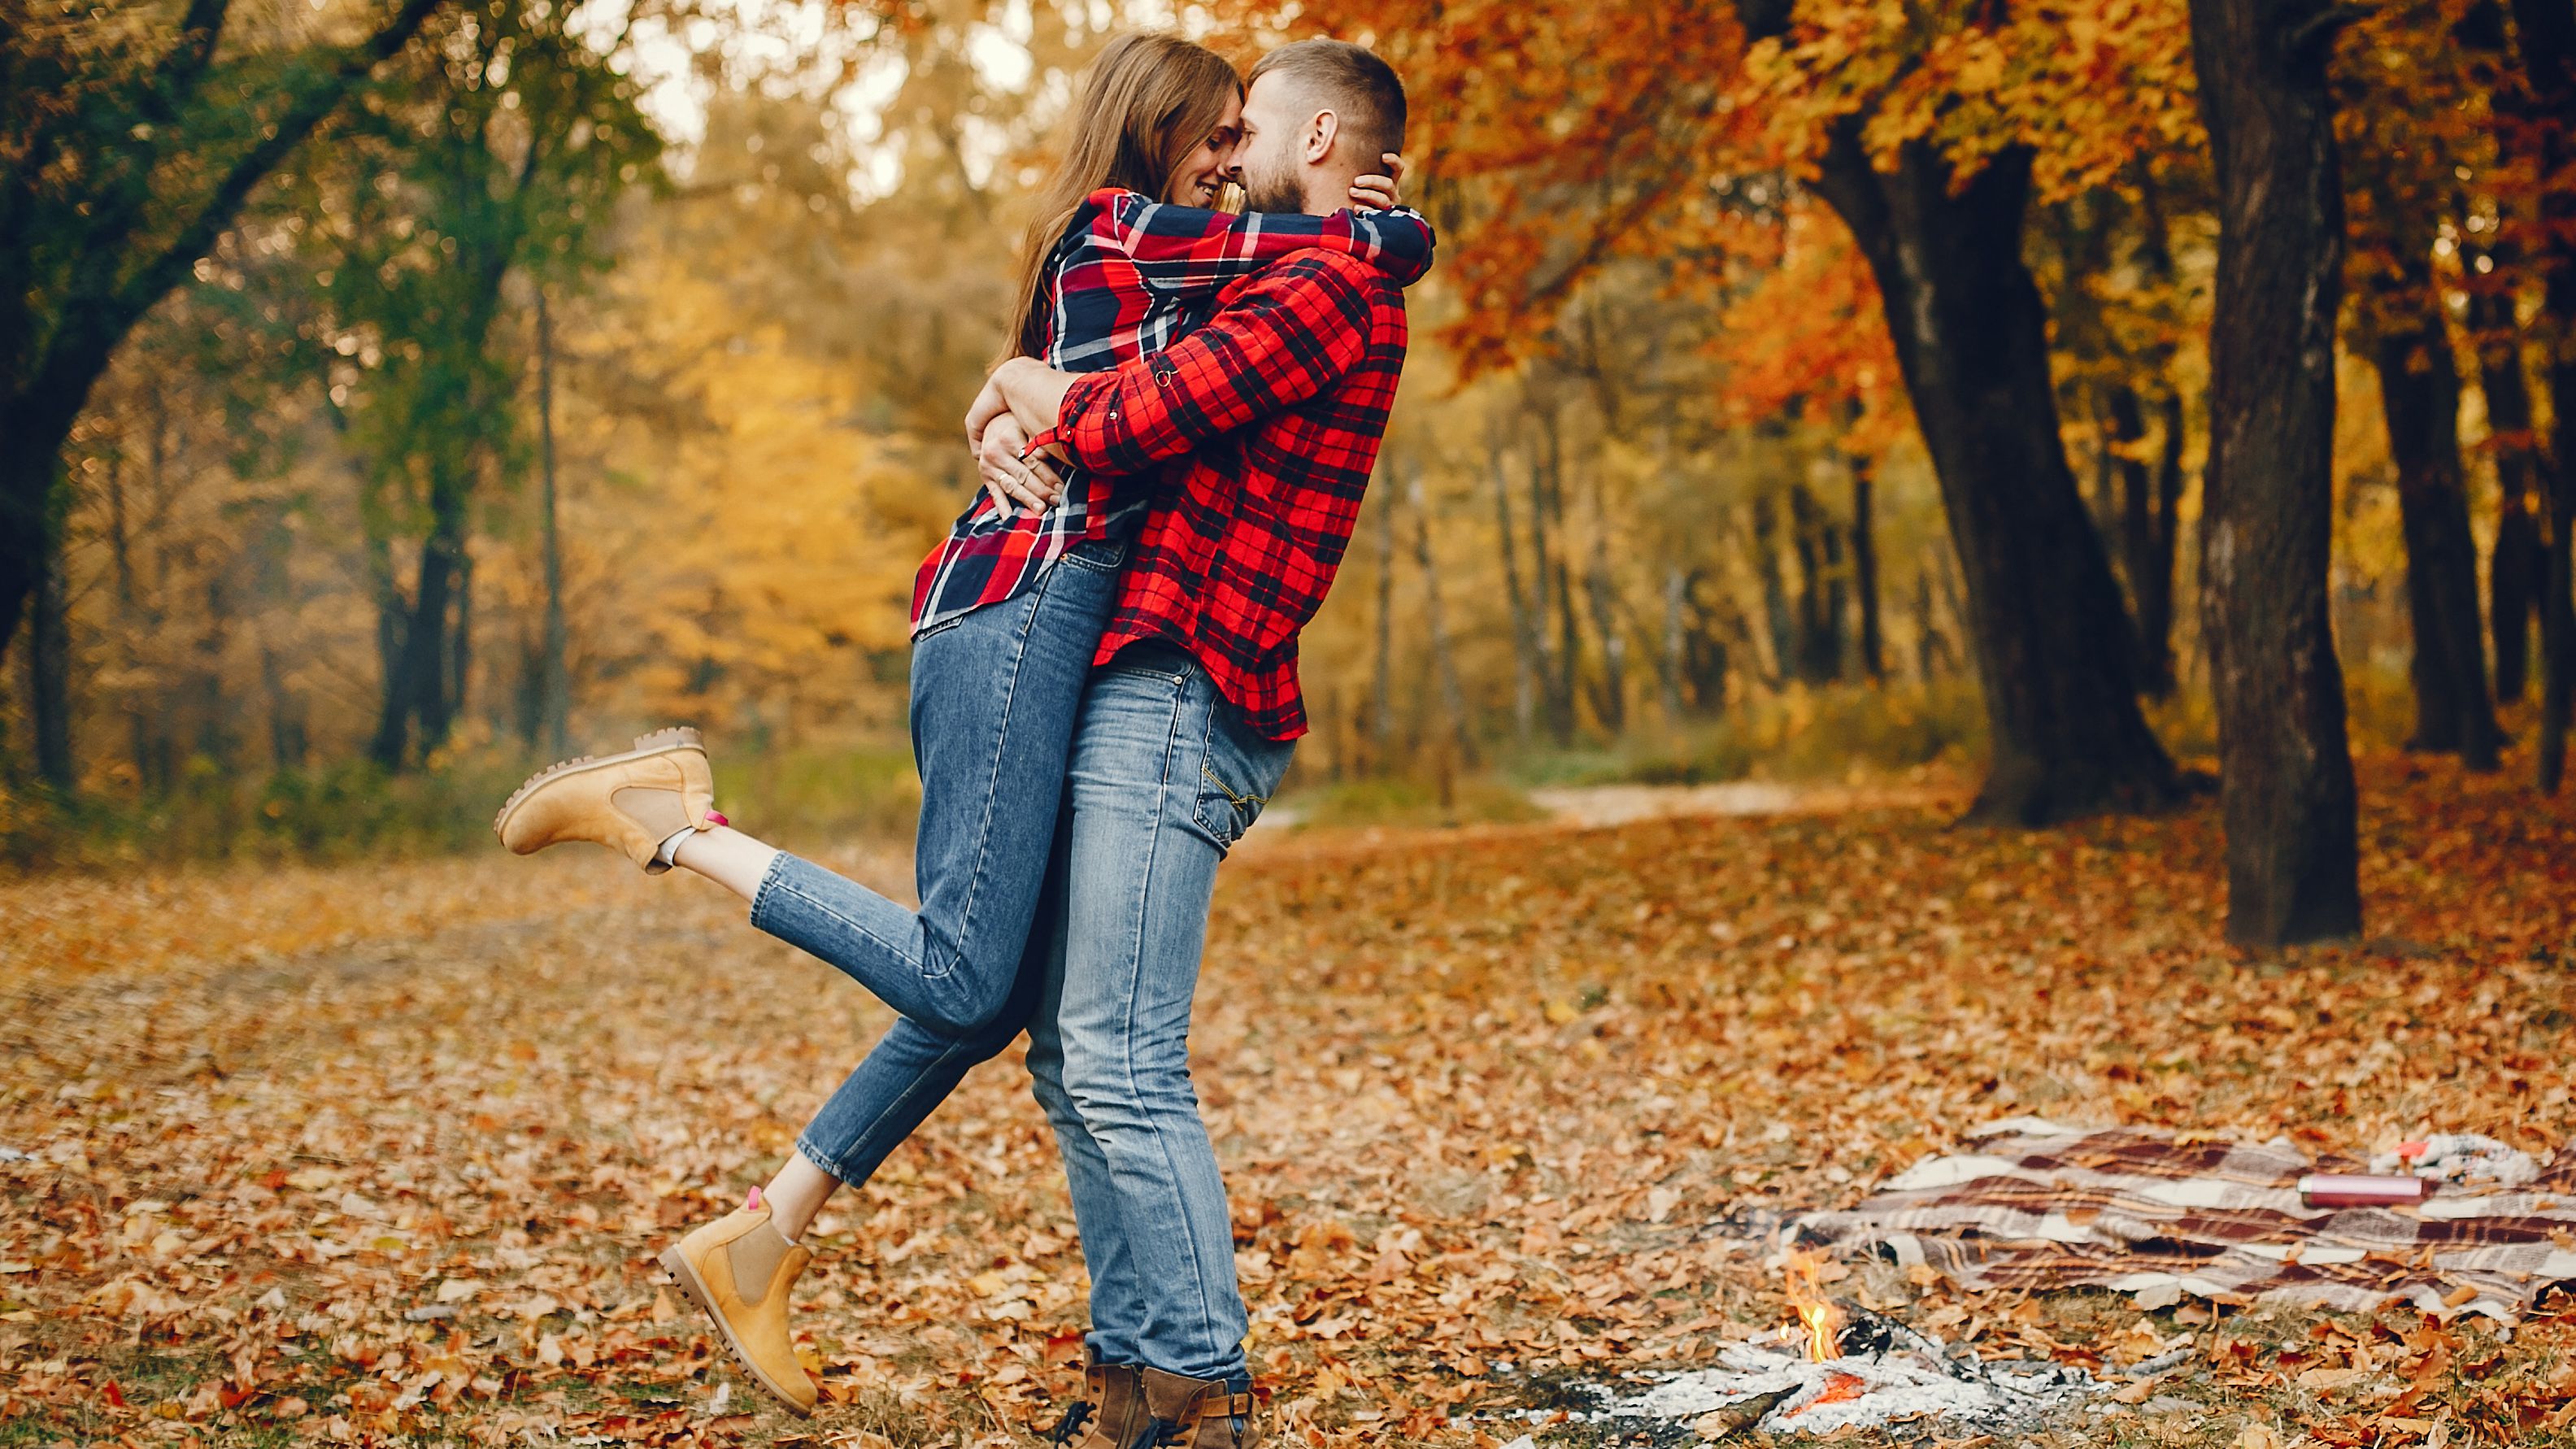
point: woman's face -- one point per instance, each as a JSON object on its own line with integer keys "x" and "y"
{"x": 1203, "y": 173}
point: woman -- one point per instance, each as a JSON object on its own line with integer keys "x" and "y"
{"x": 1006, "y": 615}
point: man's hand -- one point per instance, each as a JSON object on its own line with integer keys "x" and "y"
{"x": 1024, "y": 387}
{"x": 1016, "y": 483}
{"x": 1378, "y": 193}
{"x": 988, "y": 405}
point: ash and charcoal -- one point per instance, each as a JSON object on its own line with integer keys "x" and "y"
{"x": 1886, "y": 1374}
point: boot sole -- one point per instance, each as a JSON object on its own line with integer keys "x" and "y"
{"x": 659, "y": 742}
{"x": 689, "y": 1283}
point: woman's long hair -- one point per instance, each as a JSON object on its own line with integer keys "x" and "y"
{"x": 1150, "y": 101}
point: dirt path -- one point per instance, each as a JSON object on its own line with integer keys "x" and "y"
{"x": 1598, "y": 805}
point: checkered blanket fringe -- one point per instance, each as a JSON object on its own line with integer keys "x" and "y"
{"x": 2037, "y": 1206}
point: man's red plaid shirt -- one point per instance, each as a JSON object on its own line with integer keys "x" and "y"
{"x": 1270, "y": 418}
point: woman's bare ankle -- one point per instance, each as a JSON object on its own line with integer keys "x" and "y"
{"x": 728, "y": 857}
{"x": 797, "y": 1194}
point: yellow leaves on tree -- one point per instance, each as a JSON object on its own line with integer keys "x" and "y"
{"x": 771, "y": 534}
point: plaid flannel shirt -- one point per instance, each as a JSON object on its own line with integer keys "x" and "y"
{"x": 1129, "y": 277}
{"x": 1270, "y": 416}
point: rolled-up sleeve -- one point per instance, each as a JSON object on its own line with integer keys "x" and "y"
{"x": 1280, "y": 339}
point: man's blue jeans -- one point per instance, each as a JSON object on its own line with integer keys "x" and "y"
{"x": 994, "y": 696}
{"x": 1163, "y": 779}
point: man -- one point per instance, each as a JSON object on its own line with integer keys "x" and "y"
{"x": 1271, "y": 417}
{"x": 1265, "y": 425}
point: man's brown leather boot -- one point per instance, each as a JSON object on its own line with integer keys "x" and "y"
{"x": 630, "y": 802}
{"x": 1197, "y": 1413}
{"x": 1113, "y": 1417}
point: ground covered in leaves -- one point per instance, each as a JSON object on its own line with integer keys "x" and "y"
{"x": 381, "y": 1154}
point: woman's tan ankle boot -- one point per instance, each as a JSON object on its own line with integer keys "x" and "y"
{"x": 630, "y": 802}
{"x": 740, "y": 1269}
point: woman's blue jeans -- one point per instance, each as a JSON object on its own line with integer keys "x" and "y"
{"x": 994, "y": 695}
{"x": 1161, "y": 780}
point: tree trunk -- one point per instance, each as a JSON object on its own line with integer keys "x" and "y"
{"x": 1528, "y": 644}
{"x": 1612, "y": 702}
{"x": 2266, "y": 523}
{"x": 1668, "y": 671}
{"x": 1706, "y": 658}
{"x": 2491, "y": 264}
{"x": 1775, "y": 591}
{"x": 2516, "y": 570}
{"x": 1864, "y": 537}
{"x": 26, "y": 478}
{"x": 2546, "y": 32}
{"x": 1810, "y": 647}
{"x": 2124, "y": 426}
{"x": 2151, "y": 578}
{"x": 2557, "y": 615}
{"x": 49, "y": 660}
{"x": 286, "y": 741}
{"x": 557, "y": 707}
{"x": 120, "y": 556}
{"x": 1557, "y": 579}
{"x": 1444, "y": 659}
{"x": 2109, "y": 471}
{"x": 2419, "y": 391}
{"x": 416, "y": 686}
{"x": 1928, "y": 643}
{"x": 1821, "y": 600}
{"x": 460, "y": 650}
{"x": 2519, "y": 560}
{"x": 215, "y": 737}
{"x": 2044, "y": 618}
{"x": 1556, "y": 681}
{"x": 1382, "y": 700}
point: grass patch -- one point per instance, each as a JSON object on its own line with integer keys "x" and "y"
{"x": 358, "y": 811}
{"x": 1414, "y": 803}
{"x": 1804, "y": 734}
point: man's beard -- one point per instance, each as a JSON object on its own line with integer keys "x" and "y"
{"x": 1268, "y": 190}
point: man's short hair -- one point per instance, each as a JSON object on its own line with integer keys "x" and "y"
{"x": 1349, "y": 81}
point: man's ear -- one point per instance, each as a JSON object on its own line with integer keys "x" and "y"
{"x": 1320, "y": 135}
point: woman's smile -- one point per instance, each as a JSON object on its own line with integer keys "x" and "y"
{"x": 1202, "y": 175}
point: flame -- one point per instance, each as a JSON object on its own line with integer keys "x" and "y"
{"x": 1824, "y": 1330}
{"x": 1824, "y": 1321}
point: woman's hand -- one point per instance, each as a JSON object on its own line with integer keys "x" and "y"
{"x": 1378, "y": 193}
{"x": 1016, "y": 483}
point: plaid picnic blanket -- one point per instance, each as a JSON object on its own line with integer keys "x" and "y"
{"x": 2037, "y": 1205}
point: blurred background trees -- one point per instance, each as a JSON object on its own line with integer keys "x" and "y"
{"x": 1804, "y": 389}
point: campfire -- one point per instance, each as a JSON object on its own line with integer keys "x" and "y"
{"x": 1836, "y": 1365}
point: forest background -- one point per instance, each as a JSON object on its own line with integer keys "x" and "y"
{"x": 467, "y": 384}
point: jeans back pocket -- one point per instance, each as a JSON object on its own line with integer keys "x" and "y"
{"x": 1238, "y": 772}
